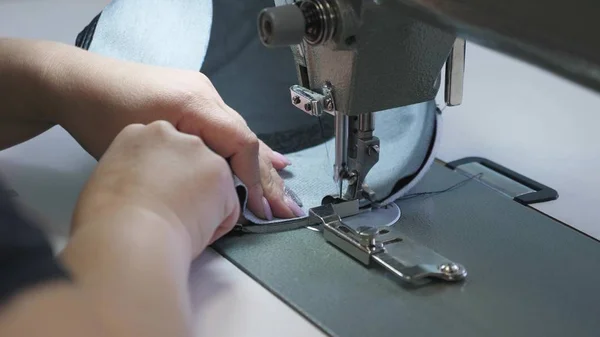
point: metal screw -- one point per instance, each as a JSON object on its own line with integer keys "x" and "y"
{"x": 449, "y": 268}
{"x": 351, "y": 177}
{"x": 307, "y": 107}
{"x": 374, "y": 148}
{"x": 367, "y": 237}
{"x": 329, "y": 104}
{"x": 296, "y": 99}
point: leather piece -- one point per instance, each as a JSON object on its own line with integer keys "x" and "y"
{"x": 528, "y": 274}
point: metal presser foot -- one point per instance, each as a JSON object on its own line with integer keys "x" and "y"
{"x": 385, "y": 246}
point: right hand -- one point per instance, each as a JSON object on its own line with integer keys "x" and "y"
{"x": 158, "y": 171}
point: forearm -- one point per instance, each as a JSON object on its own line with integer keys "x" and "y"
{"x": 52, "y": 309}
{"x": 48, "y": 83}
{"x": 134, "y": 267}
{"x": 24, "y": 112}
{"x": 22, "y": 68}
{"x": 45, "y": 81}
{"x": 129, "y": 279}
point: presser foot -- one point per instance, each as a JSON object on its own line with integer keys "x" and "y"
{"x": 383, "y": 246}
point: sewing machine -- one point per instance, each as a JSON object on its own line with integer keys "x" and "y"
{"x": 355, "y": 58}
{"x": 529, "y": 274}
{"x": 349, "y": 69}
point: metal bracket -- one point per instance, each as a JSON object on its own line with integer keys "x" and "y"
{"x": 404, "y": 258}
{"x": 455, "y": 74}
{"x": 312, "y": 102}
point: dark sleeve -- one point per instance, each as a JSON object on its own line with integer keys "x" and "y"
{"x": 26, "y": 257}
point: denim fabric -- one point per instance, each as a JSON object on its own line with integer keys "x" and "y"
{"x": 170, "y": 33}
{"x": 220, "y": 40}
{"x": 406, "y": 135}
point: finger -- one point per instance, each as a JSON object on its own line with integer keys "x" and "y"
{"x": 219, "y": 100}
{"x": 282, "y": 206}
{"x": 278, "y": 160}
{"x": 229, "y": 197}
{"x": 227, "y": 225}
{"x": 229, "y": 138}
{"x": 209, "y": 83}
{"x": 233, "y": 113}
{"x": 219, "y": 233}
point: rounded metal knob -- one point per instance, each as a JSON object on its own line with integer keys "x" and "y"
{"x": 281, "y": 26}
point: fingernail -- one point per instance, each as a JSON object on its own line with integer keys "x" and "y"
{"x": 283, "y": 158}
{"x": 288, "y": 192}
{"x": 268, "y": 211}
{"x": 294, "y": 207}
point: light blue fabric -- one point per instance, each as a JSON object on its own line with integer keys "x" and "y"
{"x": 405, "y": 135}
{"x": 170, "y": 33}
{"x": 176, "y": 34}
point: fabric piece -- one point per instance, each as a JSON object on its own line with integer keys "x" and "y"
{"x": 26, "y": 257}
{"x": 177, "y": 34}
{"x": 255, "y": 80}
{"x": 405, "y": 136}
{"x": 172, "y": 33}
{"x": 84, "y": 38}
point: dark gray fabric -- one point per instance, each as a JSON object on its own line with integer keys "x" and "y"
{"x": 26, "y": 258}
{"x": 254, "y": 80}
{"x": 85, "y": 37}
{"x": 528, "y": 274}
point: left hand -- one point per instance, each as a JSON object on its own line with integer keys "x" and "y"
{"x": 95, "y": 97}
{"x": 113, "y": 94}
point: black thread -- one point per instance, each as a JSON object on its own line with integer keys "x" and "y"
{"x": 322, "y": 127}
{"x": 424, "y": 194}
{"x": 449, "y": 189}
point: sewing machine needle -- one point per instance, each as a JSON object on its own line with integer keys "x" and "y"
{"x": 341, "y": 147}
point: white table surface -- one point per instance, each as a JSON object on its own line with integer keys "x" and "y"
{"x": 534, "y": 123}
{"x": 519, "y": 116}
{"x": 49, "y": 171}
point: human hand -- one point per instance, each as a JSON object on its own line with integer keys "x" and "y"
{"x": 121, "y": 93}
{"x": 155, "y": 170}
